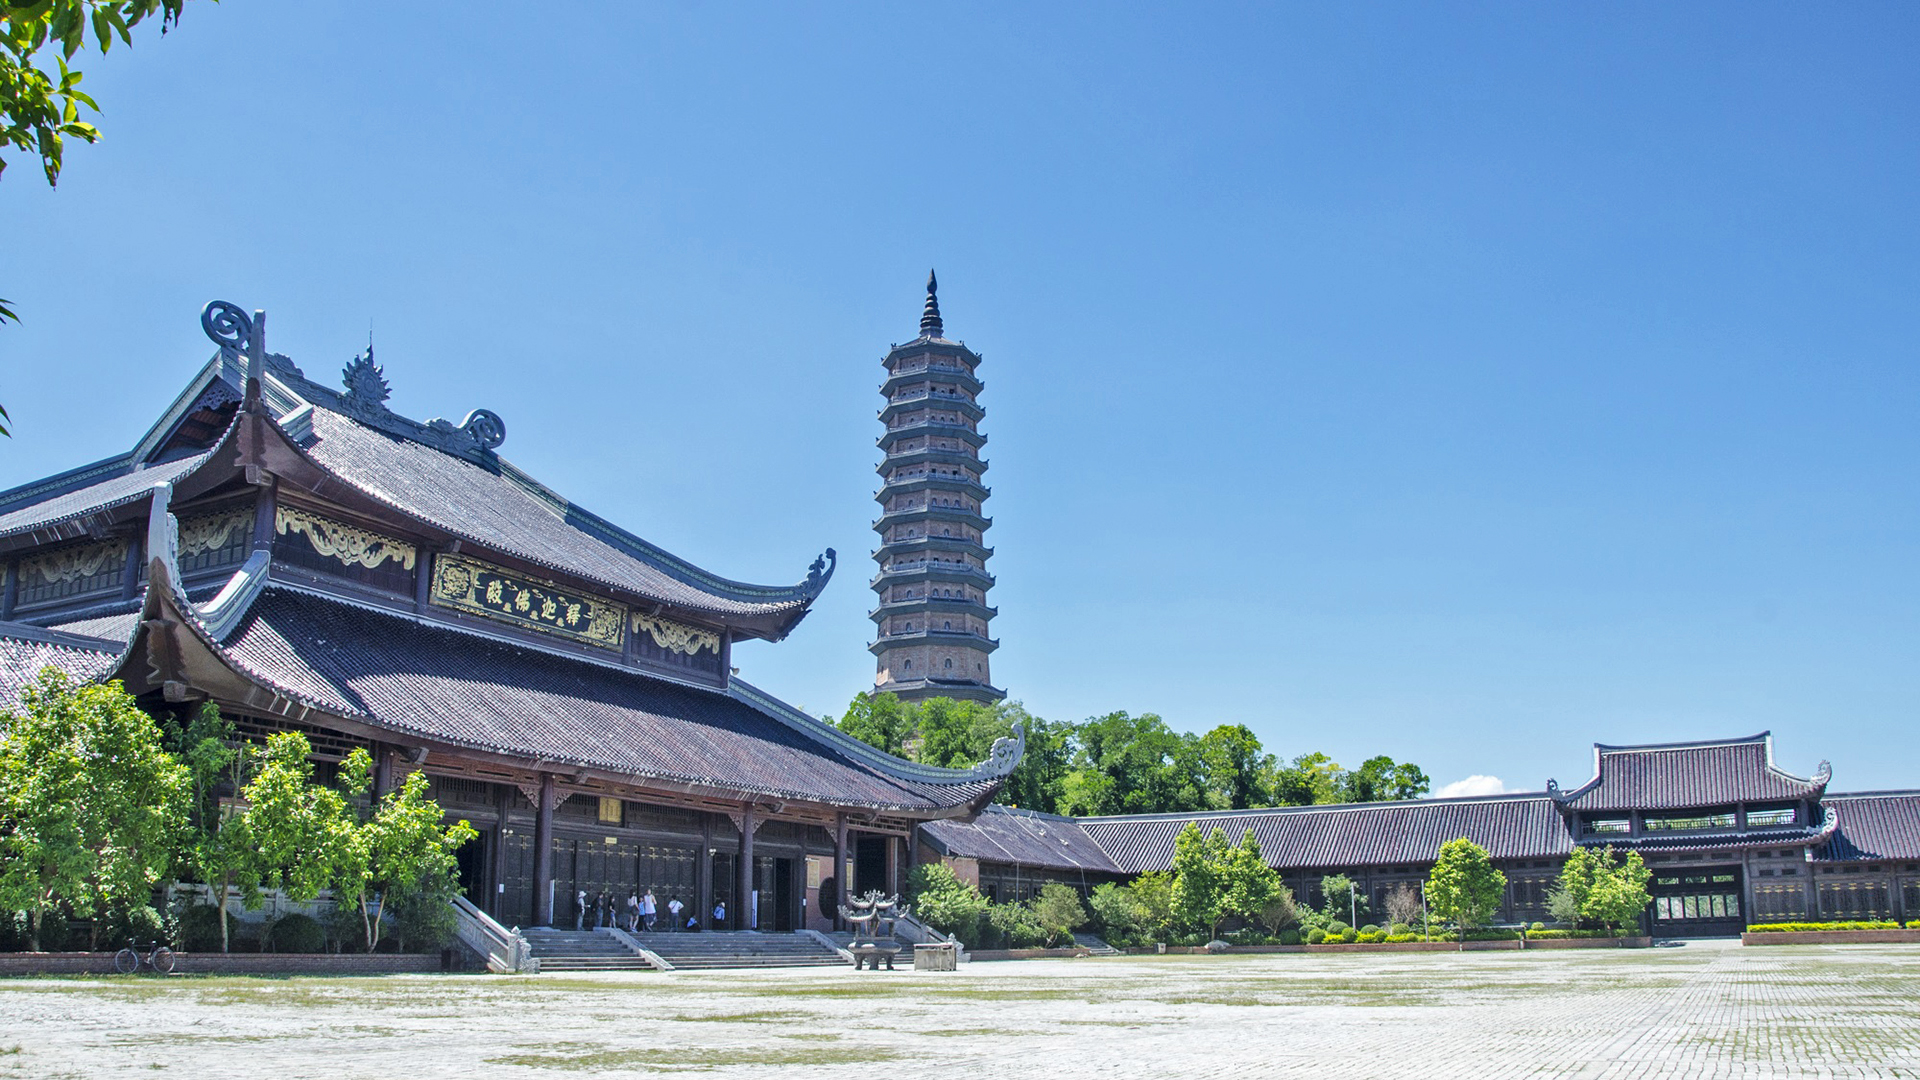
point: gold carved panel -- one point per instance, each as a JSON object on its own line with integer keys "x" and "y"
{"x": 72, "y": 564}
{"x": 352, "y": 545}
{"x": 676, "y": 637}
{"x": 211, "y": 532}
{"x": 470, "y": 585}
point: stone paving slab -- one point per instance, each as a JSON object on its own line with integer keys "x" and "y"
{"x": 1701, "y": 1010}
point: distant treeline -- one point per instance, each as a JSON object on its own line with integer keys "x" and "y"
{"x": 1122, "y": 764}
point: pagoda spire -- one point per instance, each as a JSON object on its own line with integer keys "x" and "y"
{"x": 930, "y": 316}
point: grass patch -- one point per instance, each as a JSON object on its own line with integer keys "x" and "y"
{"x": 765, "y": 1016}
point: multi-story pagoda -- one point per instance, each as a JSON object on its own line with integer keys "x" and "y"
{"x": 932, "y": 617}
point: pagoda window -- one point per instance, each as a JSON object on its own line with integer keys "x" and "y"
{"x": 906, "y": 665}
{"x": 949, "y": 664}
{"x": 1770, "y": 816}
{"x": 1606, "y": 826}
{"x": 1698, "y": 821}
{"x": 49, "y": 577}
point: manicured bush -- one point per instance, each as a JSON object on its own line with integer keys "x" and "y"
{"x": 199, "y": 929}
{"x": 1399, "y": 929}
{"x": 1561, "y": 935}
{"x": 296, "y": 933}
{"x": 1316, "y": 936}
{"x": 1791, "y": 927}
{"x": 947, "y": 904}
{"x": 1336, "y": 928}
{"x": 1538, "y": 926}
{"x": 1369, "y": 929}
{"x": 1370, "y": 937}
{"x": 1493, "y": 935}
{"x": 1349, "y": 936}
{"x": 1400, "y": 939}
{"x": 1292, "y": 937}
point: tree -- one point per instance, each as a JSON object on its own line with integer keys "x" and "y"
{"x": 1059, "y": 912}
{"x": 1619, "y": 894}
{"x": 1341, "y": 898}
{"x": 1200, "y": 883}
{"x": 1235, "y": 773}
{"x": 1572, "y": 895}
{"x": 396, "y": 851}
{"x": 946, "y": 903}
{"x": 1381, "y": 779}
{"x": 1307, "y": 780}
{"x": 1403, "y": 905}
{"x": 1464, "y": 887}
{"x": 1152, "y": 896}
{"x": 298, "y": 827}
{"x": 880, "y": 720}
{"x": 1251, "y": 884}
{"x": 219, "y": 850}
{"x": 38, "y": 109}
{"x": 91, "y": 804}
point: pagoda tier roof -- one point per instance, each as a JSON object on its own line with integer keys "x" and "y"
{"x": 26, "y": 650}
{"x": 927, "y": 455}
{"x": 1358, "y": 834}
{"x": 58, "y": 508}
{"x": 1026, "y": 837}
{"x": 1872, "y": 825}
{"x": 933, "y": 373}
{"x": 1664, "y": 776}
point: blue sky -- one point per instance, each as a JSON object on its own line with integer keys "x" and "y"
{"x": 1467, "y": 383}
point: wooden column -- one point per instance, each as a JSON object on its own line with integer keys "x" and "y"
{"x": 543, "y": 853}
{"x": 893, "y": 865}
{"x": 703, "y": 874}
{"x": 842, "y": 879}
{"x": 11, "y": 595}
{"x": 130, "y": 572}
{"x": 263, "y": 521}
{"x": 747, "y": 915}
{"x": 382, "y": 771}
{"x": 497, "y": 872}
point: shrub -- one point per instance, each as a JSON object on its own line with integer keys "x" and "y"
{"x": 1014, "y": 926}
{"x": 1058, "y": 912}
{"x": 1398, "y": 939}
{"x": 1789, "y": 927}
{"x": 1370, "y": 929}
{"x": 199, "y": 929}
{"x": 1370, "y": 937}
{"x": 1349, "y": 936}
{"x": 1291, "y": 937}
{"x": 1493, "y": 935}
{"x": 1399, "y": 929}
{"x": 1336, "y": 928}
{"x": 1116, "y": 917}
{"x": 294, "y": 933}
{"x": 1538, "y": 926}
{"x": 1316, "y": 936}
{"x": 947, "y": 904}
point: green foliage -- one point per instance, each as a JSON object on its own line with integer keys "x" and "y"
{"x": 1291, "y": 937}
{"x": 1597, "y": 887}
{"x": 296, "y": 826}
{"x": 1059, "y": 912}
{"x": 1014, "y": 926}
{"x": 40, "y": 108}
{"x": 1341, "y": 896}
{"x": 219, "y": 850}
{"x": 1280, "y": 912}
{"x": 1117, "y": 918}
{"x": 1200, "y": 878}
{"x": 201, "y": 929}
{"x": 1464, "y": 887}
{"x": 91, "y": 804}
{"x": 396, "y": 850}
{"x": 1119, "y": 763}
{"x": 1316, "y": 936}
{"x": 296, "y": 933}
{"x": 946, "y": 903}
{"x": 1797, "y": 927}
{"x": 1152, "y": 896}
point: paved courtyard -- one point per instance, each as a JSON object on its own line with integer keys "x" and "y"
{"x": 1701, "y": 1010}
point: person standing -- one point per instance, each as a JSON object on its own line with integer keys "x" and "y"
{"x": 674, "y": 908}
{"x": 600, "y": 909}
{"x": 580, "y": 910}
{"x": 649, "y": 909}
{"x": 719, "y": 914}
{"x": 634, "y": 908}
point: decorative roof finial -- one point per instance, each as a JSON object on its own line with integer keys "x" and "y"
{"x": 930, "y": 317}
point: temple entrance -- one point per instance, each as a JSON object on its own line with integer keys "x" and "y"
{"x": 472, "y": 859}
{"x": 869, "y": 864}
{"x": 773, "y": 888}
{"x": 1701, "y": 901}
{"x": 723, "y": 890}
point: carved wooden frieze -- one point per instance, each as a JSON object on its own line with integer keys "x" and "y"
{"x": 68, "y": 565}
{"x": 204, "y": 534}
{"x": 470, "y": 585}
{"x": 676, "y": 637}
{"x": 351, "y": 545}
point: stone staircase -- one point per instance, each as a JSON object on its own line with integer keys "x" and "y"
{"x": 582, "y": 950}
{"x": 738, "y": 949}
{"x": 1095, "y": 945}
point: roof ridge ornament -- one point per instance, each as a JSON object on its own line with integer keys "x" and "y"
{"x": 366, "y": 385}
{"x": 930, "y": 325}
{"x": 821, "y": 572}
{"x": 1005, "y": 755}
{"x": 237, "y": 335}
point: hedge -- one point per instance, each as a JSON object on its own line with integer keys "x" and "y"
{"x": 1561, "y": 935}
{"x": 1795, "y": 927}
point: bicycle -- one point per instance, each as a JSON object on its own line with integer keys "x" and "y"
{"x": 158, "y": 958}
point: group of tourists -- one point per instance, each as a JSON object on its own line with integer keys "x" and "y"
{"x": 639, "y": 912}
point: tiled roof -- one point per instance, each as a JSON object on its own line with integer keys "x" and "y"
{"x": 1873, "y": 825}
{"x": 1360, "y": 834}
{"x": 1681, "y": 775}
{"x": 1006, "y": 835}
{"x": 445, "y": 685}
{"x": 40, "y": 506}
{"x": 506, "y": 510}
{"x": 27, "y": 650}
